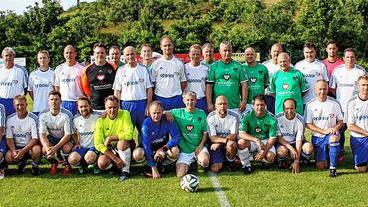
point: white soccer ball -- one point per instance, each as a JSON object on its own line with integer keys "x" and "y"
{"x": 189, "y": 183}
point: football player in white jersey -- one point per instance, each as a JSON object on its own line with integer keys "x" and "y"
{"x": 55, "y": 133}
{"x": 13, "y": 80}
{"x": 67, "y": 77}
{"x": 22, "y": 137}
{"x": 272, "y": 67}
{"x": 133, "y": 87}
{"x": 168, "y": 77}
{"x": 223, "y": 127}
{"x": 312, "y": 70}
{"x": 290, "y": 137}
{"x": 357, "y": 120}
{"x": 41, "y": 82}
{"x": 84, "y": 153}
{"x": 323, "y": 116}
{"x": 343, "y": 84}
{"x": 197, "y": 74}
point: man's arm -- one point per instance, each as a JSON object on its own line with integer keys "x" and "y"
{"x": 209, "y": 88}
{"x": 357, "y": 129}
{"x": 117, "y": 93}
{"x": 183, "y": 85}
{"x": 315, "y": 128}
{"x": 243, "y": 103}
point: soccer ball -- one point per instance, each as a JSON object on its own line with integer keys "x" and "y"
{"x": 189, "y": 183}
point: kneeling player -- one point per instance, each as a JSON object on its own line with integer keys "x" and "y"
{"x": 84, "y": 154}
{"x": 193, "y": 130}
{"x": 257, "y": 133}
{"x": 158, "y": 148}
{"x": 357, "y": 120}
{"x": 55, "y": 133}
{"x": 112, "y": 138}
{"x": 22, "y": 137}
{"x": 290, "y": 137}
{"x": 324, "y": 118}
{"x": 223, "y": 127}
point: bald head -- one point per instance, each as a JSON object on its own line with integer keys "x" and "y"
{"x": 130, "y": 56}
{"x": 283, "y": 60}
{"x": 250, "y": 56}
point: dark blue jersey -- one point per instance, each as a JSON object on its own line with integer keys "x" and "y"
{"x": 156, "y": 135}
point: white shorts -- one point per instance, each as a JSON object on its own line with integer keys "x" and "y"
{"x": 189, "y": 158}
{"x": 255, "y": 148}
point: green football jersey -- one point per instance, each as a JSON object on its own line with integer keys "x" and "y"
{"x": 192, "y": 126}
{"x": 258, "y": 80}
{"x": 290, "y": 84}
{"x": 226, "y": 79}
{"x": 261, "y": 127}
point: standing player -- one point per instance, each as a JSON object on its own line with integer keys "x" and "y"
{"x": 55, "y": 133}
{"x": 223, "y": 126}
{"x": 158, "y": 148}
{"x": 197, "y": 74}
{"x": 193, "y": 130}
{"x": 290, "y": 137}
{"x": 357, "y": 121}
{"x": 312, "y": 70}
{"x": 133, "y": 87}
{"x": 146, "y": 55}
{"x": 226, "y": 77}
{"x": 22, "y": 137}
{"x": 112, "y": 137}
{"x": 98, "y": 78}
{"x": 332, "y": 60}
{"x": 84, "y": 153}
{"x": 343, "y": 85}
{"x": 114, "y": 55}
{"x": 168, "y": 77}
{"x": 66, "y": 79}
{"x": 257, "y": 133}
{"x": 207, "y": 53}
{"x": 272, "y": 68}
{"x": 41, "y": 82}
{"x": 257, "y": 75}
{"x": 323, "y": 116}
{"x": 287, "y": 83}
{"x": 13, "y": 80}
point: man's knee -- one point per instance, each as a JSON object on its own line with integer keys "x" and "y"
{"x": 270, "y": 156}
{"x": 123, "y": 145}
{"x": 307, "y": 148}
{"x": 321, "y": 165}
{"x": 174, "y": 153}
{"x": 36, "y": 151}
{"x": 282, "y": 152}
{"x": 181, "y": 170}
{"x": 104, "y": 162}
{"x": 216, "y": 167}
{"x": 204, "y": 159}
{"x": 67, "y": 148}
{"x": 74, "y": 158}
{"x": 231, "y": 148}
{"x": 138, "y": 155}
{"x": 90, "y": 157}
{"x": 242, "y": 144}
{"x": 8, "y": 157}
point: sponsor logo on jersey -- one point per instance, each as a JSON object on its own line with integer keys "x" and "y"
{"x": 15, "y": 82}
{"x": 320, "y": 118}
{"x": 227, "y": 76}
{"x": 167, "y": 75}
{"x": 285, "y": 86}
{"x": 362, "y": 117}
{"x": 68, "y": 80}
{"x": 312, "y": 75}
{"x": 100, "y": 77}
{"x": 189, "y": 128}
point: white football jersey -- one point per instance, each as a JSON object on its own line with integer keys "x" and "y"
{"x": 66, "y": 77}
{"x": 271, "y": 67}
{"x": 132, "y": 82}
{"x": 85, "y": 128}
{"x": 312, "y": 72}
{"x": 196, "y": 79}
{"x": 222, "y": 127}
{"x": 41, "y": 83}
{"x": 290, "y": 130}
{"x": 345, "y": 83}
{"x": 22, "y": 130}
{"x": 56, "y": 126}
{"x": 12, "y": 81}
{"x": 323, "y": 114}
{"x": 167, "y": 76}
{"x": 357, "y": 114}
